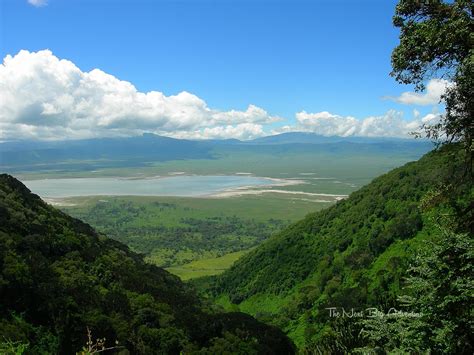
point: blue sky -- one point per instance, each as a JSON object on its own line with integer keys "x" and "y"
{"x": 282, "y": 56}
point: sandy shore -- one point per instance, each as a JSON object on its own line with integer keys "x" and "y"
{"x": 247, "y": 191}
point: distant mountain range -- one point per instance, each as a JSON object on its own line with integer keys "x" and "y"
{"x": 312, "y": 138}
{"x": 140, "y": 150}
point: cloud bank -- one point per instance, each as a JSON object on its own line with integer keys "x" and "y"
{"x": 391, "y": 124}
{"x": 44, "y": 97}
{"x": 48, "y": 98}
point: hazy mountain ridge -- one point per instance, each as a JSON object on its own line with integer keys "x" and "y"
{"x": 313, "y": 138}
{"x": 141, "y": 150}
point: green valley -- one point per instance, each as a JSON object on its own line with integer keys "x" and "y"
{"x": 175, "y": 231}
{"x": 260, "y": 255}
{"x": 206, "y": 267}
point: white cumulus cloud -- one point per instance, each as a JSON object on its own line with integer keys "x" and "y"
{"x": 38, "y": 3}
{"x": 432, "y": 95}
{"x": 391, "y": 124}
{"x": 45, "y": 97}
{"x": 242, "y": 131}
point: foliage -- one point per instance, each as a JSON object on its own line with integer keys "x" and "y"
{"x": 436, "y": 39}
{"x": 437, "y": 310}
{"x": 231, "y": 344}
{"x": 8, "y": 347}
{"x": 59, "y": 276}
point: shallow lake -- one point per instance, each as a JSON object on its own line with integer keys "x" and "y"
{"x": 193, "y": 185}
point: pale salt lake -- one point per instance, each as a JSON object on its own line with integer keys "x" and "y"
{"x": 188, "y": 186}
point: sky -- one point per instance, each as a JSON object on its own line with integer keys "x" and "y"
{"x": 75, "y": 69}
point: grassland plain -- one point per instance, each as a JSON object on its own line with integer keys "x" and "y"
{"x": 193, "y": 236}
{"x": 206, "y": 267}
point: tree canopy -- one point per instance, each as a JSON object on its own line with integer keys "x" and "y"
{"x": 437, "y": 40}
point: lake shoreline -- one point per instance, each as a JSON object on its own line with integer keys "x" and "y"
{"x": 55, "y": 191}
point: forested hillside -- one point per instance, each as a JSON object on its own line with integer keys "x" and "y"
{"x": 59, "y": 278}
{"x": 353, "y": 255}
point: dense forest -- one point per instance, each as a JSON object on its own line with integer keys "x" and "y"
{"x": 60, "y": 279}
{"x": 144, "y": 229}
{"x": 355, "y": 255}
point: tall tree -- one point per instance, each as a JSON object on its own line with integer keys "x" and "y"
{"x": 436, "y": 313}
{"x": 437, "y": 40}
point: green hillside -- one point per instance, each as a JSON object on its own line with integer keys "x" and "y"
{"x": 58, "y": 278}
{"x": 351, "y": 256}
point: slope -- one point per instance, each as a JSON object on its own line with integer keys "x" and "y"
{"x": 58, "y": 277}
{"x": 350, "y": 256}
